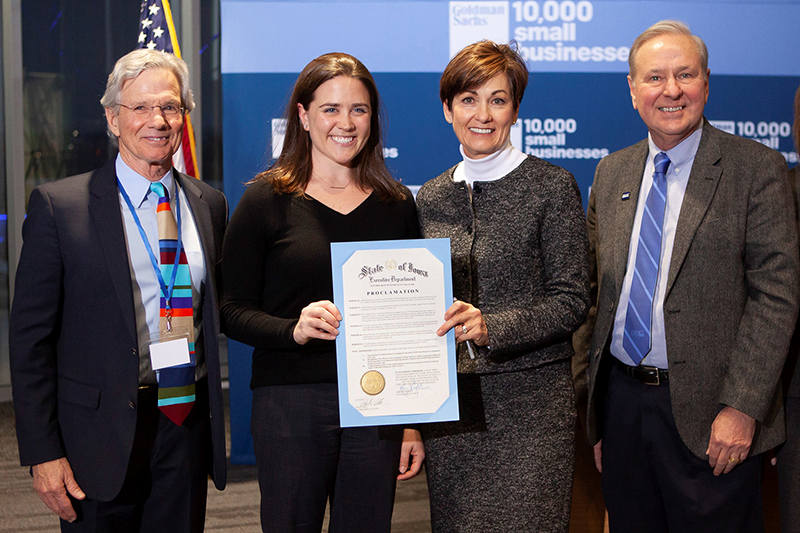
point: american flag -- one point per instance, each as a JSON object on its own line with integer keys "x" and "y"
{"x": 157, "y": 32}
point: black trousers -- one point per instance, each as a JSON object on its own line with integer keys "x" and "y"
{"x": 789, "y": 469}
{"x": 166, "y": 485}
{"x": 304, "y": 459}
{"x": 653, "y": 483}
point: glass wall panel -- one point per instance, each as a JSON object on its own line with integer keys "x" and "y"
{"x": 69, "y": 48}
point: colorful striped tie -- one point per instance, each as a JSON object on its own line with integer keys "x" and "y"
{"x": 175, "y": 384}
{"x": 637, "y": 339}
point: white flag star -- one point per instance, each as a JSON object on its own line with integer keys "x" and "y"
{"x": 146, "y": 23}
{"x": 158, "y": 32}
{"x": 154, "y": 9}
{"x": 151, "y": 45}
{"x": 142, "y": 36}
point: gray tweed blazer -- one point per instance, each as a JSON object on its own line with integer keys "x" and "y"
{"x": 791, "y": 372}
{"x": 732, "y": 291}
{"x": 519, "y": 253}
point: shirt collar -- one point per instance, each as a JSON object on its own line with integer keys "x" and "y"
{"x": 681, "y": 154}
{"x": 136, "y": 185}
{"x": 492, "y": 167}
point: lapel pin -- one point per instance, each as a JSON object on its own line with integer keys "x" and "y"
{"x": 626, "y": 195}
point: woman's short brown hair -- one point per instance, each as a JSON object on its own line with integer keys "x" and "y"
{"x": 478, "y": 63}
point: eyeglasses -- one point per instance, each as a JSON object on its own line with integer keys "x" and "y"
{"x": 170, "y": 110}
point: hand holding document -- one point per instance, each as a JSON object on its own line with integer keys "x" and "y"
{"x": 393, "y": 368}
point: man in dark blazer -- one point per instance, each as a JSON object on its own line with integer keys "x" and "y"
{"x": 684, "y": 365}
{"x": 85, "y": 313}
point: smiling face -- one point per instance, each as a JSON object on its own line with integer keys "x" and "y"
{"x": 482, "y": 117}
{"x": 146, "y": 143}
{"x": 669, "y": 88}
{"x": 338, "y": 122}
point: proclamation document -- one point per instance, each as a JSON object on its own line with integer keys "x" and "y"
{"x": 392, "y": 367}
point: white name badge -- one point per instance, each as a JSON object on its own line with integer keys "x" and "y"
{"x": 169, "y": 353}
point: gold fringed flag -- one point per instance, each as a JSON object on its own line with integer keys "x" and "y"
{"x": 157, "y": 32}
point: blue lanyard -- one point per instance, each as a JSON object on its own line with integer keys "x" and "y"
{"x": 166, "y": 291}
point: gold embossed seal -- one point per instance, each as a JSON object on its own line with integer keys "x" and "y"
{"x": 373, "y": 382}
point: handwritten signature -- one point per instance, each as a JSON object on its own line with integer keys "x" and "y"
{"x": 364, "y": 403}
{"x": 411, "y": 390}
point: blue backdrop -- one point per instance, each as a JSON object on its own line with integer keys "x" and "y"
{"x": 576, "y": 109}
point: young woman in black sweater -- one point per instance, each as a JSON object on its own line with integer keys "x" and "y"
{"x": 329, "y": 184}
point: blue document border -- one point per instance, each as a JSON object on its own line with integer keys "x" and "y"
{"x": 349, "y": 415}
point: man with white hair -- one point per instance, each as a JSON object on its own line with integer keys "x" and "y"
{"x": 114, "y": 324}
{"x": 695, "y": 294}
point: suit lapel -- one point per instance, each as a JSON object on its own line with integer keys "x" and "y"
{"x": 627, "y": 183}
{"x": 104, "y": 209}
{"x": 202, "y": 220}
{"x": 700, "y": 191}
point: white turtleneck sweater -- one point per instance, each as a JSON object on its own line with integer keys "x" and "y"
{"x": 489, "y": 168}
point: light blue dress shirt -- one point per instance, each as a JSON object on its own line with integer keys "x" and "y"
{"x": 681, "y": 160}
{"x": 146, "y": 289}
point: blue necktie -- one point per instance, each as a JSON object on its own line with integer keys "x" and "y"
{"x": 637, "y": 339}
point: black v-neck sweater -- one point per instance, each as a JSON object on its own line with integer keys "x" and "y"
{"x": 276, "y": 260}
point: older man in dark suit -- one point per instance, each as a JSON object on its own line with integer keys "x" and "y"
{"x": 695, "y": 292}
{"x": 115, "y": 359}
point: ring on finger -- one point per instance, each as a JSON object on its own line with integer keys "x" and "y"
{"x": 733, "y": 460}
{"x": 464, "y": 329}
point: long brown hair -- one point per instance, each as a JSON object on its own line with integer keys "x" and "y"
{"x": 292, "y": 171}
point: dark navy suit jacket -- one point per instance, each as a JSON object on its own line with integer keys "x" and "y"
{"x": 74, "y": 349}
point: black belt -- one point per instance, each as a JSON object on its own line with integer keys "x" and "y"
{"x": 649, "y": 375}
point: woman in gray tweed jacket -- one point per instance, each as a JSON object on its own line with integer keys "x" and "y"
{"x": 520, "y": 273}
